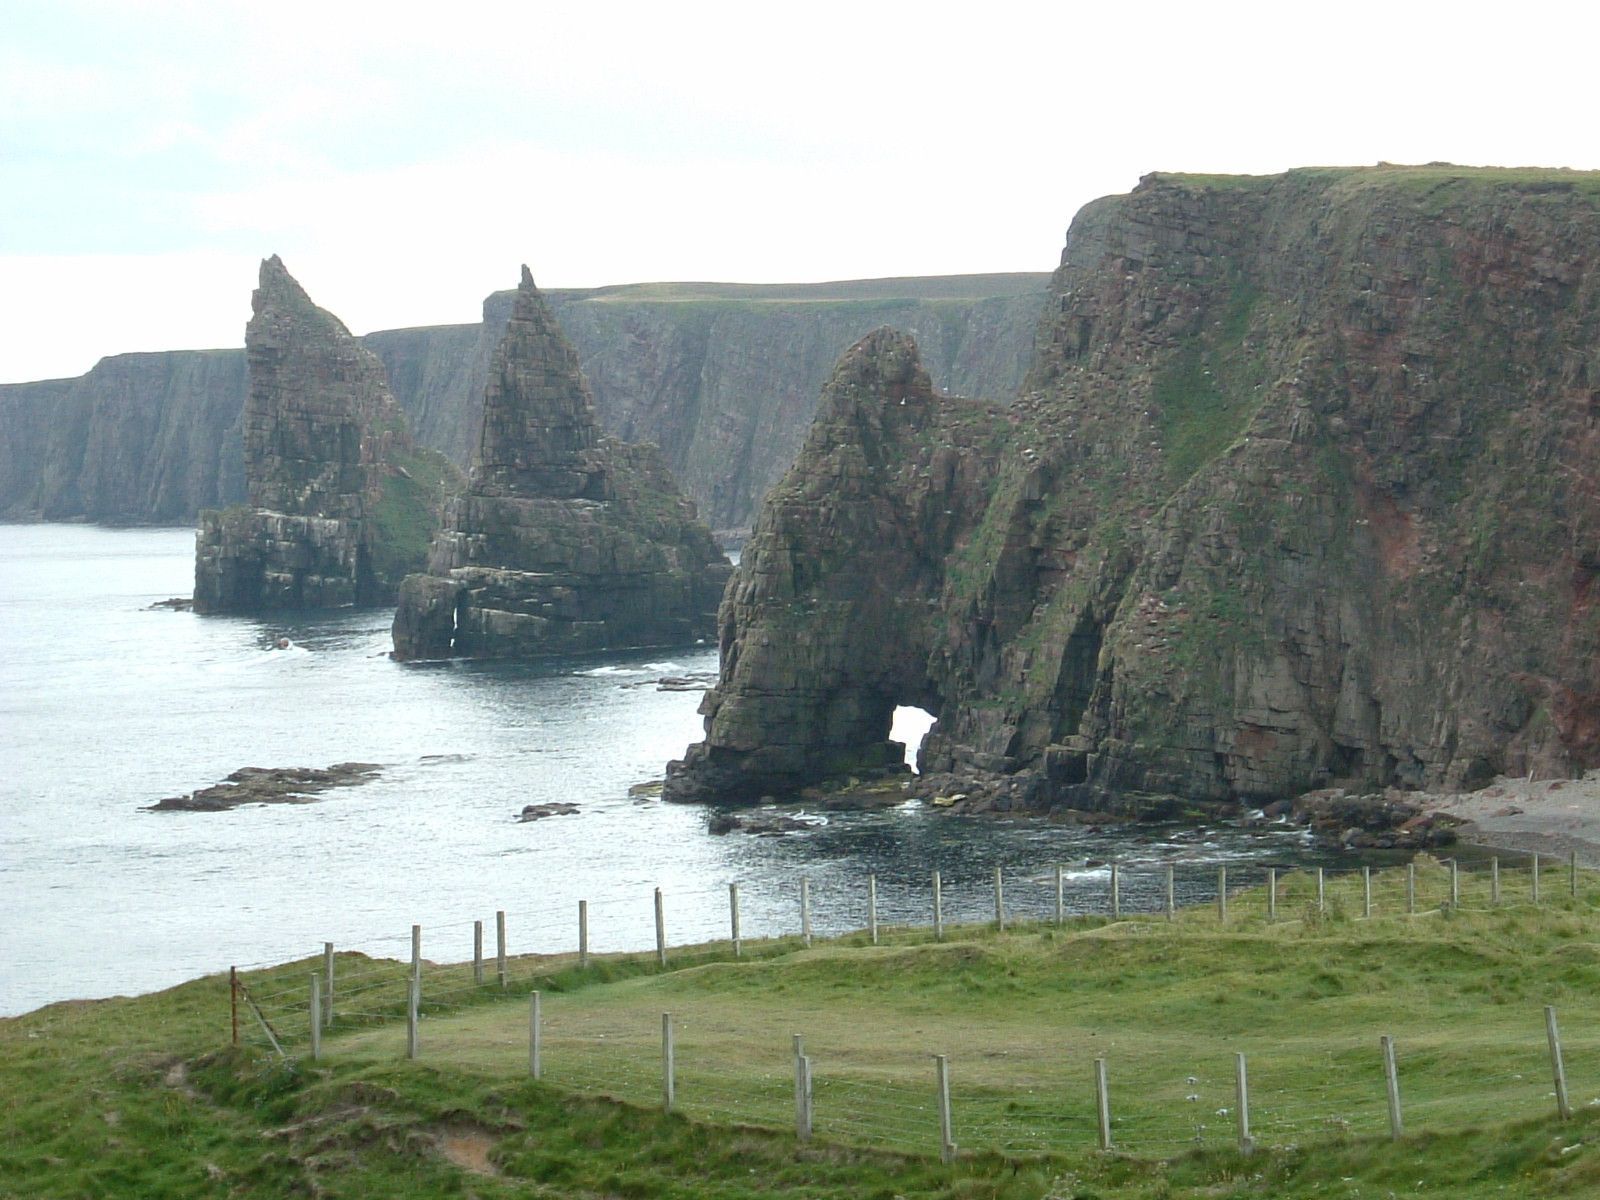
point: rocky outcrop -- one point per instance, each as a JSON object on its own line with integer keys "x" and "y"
{"x": 1299, "y": 493}
{"x": 341, "y": 504}
{"x": 566, "y": 540}
{"x": 723, "y": 377}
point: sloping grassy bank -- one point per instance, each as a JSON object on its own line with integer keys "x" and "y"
{"x": 138, "y": 1097}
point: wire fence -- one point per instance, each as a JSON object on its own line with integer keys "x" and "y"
{"x": 1141, "y": 1092}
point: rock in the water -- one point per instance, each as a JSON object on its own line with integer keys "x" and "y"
{"x": 341, "y": 502}
{"x": 538, "y": 812}
{"x": 566, "y": 540}
{"x": 1296, "y": 495}
{"x": 269, "y": 785}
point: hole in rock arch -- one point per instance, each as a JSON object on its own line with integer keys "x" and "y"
{"x": 910, "y": 725}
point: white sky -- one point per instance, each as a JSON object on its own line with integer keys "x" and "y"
{"x": 404, "y": 158}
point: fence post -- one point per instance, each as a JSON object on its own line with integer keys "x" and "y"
{"x": 1102, "y": 1103}
{"x": 1391, "y": 1079}
{"x": 316, "y": 1017}
{"x": 1556, "y": 1066}
{"x": 802, "y": 1090}
{"x": 1535, "y": 864}
{"x": 477, "y": 952}
{"x": 1322, "y": 894}
{"x": 999, "y": 900}
{"x": 1222, "y": 895}
{"x": 805, "y": 909}
{"x": 1411, "y": 887}
{"x": 1366, "y": 892}
{"x": 938, "y": 909}
{"x": 500, "y": 946}
{"x": 947, "y": 1145}
{"x": 1572, "y": 875}
{"x": 1455, "y": 884}
{"x": 1116, "y": 892}
{"x": 733, "y": 916}
{"x": 872, "y": 907}
{"x": 414, "y": 992}
{"x": 668, "y": 1065}
{"x": 535, "y": 1036}
{"x": 1061, "y": 898}
{"x": 1171, "y": 898}
{"x": 661, "y": 932}
{"x": 1241, "y": 1096}
{"x": 327, "y": 985}
{"x": 1494, "y": 880}
{"x": 1272, "y": 893}
{"x": 583, "y": 935}
{"x": 233, "y": 1001}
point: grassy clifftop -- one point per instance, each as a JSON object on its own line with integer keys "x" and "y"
{"x": 138, "y": 1097}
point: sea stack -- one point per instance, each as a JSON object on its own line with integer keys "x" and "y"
{"x": 566, "y": 540}
{"x": 341, "y": 502}
{"x": 1299, "y": 493}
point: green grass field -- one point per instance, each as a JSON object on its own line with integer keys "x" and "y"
{"x": 143, "y": 1097}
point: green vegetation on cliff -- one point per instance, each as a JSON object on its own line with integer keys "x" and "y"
{"x": 139, "y": 1097}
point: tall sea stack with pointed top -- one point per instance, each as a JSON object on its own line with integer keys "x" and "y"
{"x": 341, "y": 502}
{"x": 567, "y": 540}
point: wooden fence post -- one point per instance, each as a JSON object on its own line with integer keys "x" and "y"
{"x": 999, "y": 900}
{"x": 535, "y": 1036}
{"x": 1391, "y": 1079}
{"x": 1102, "y": 1103}
{"x": 1322, "y": 893}
{"x": 733, "y": 916}
{"x": 872, "y": 907}
{"x": 1558, "y": 1069}
{"x": 1171, "y": 896}
{"x": 414, "y": 993}
{"x": 668, "y": 1064}
{"x": 477, "y": 952}
{"x": 802, "y": 1090}
{"x": 233, "y": 1001}
{"x": 805, "y": 909}
{"x": 316, "y": 1016}
{"x": 1411, "y": 887}
{"x": 1572, "y": 875}
{"x": 1116, "y": 892}
{"x": 1222, "y": 895}
{"x": 1535, "y": 866}
{"x": 947, "y": 1145}
{"x": 500, "y": 946}
{"x": 661, "y": 931}
{"x": 938, "y": 909}
{"x": 583, "y": 935}
{"x": 327, "y": 985}
{"x": 1494, "y": 880}
{"x": 1455, "y": 884}
{"x": 1061, "y": 897}
{"x": 1272, "y": 893}
{"x": 1241, "y": 1098}
{"x": 1366, "y": 892}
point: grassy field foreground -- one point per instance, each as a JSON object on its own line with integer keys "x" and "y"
{"x": 142, "y": 1097}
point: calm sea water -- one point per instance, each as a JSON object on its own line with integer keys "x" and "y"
{"x": 107, "y": 705}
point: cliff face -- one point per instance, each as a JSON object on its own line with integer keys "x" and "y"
{"x": 566, "y": 540}
{"x": 341, "y": 502}
{"x": 1299, "y": 493}
{"x": 723, "y": 377}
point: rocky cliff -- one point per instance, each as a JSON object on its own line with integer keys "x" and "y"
{"x": 723, "y": 377}
{"x": 1300, "y": 492}
{"x": 341, "y": 503}
{"x": 566, "y": 540}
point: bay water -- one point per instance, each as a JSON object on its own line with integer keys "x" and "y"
{"x": 109, "y": 703}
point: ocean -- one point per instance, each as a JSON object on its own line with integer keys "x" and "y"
{"x": 109, "y": 703}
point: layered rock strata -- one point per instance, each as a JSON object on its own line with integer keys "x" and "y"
{"x": 566, "y": 540}
{"x": 1299, "y": 493}
{"x": 341, "y": 503}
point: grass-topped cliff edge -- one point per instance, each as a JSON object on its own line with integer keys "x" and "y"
{"x": 143, "y": 1097}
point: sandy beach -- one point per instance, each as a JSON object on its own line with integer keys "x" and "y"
{"x": 1552, "y": 816}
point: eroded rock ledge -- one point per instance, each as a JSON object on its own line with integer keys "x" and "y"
{"x": 270, "y": 785}
{"x": 1299, "y": 493}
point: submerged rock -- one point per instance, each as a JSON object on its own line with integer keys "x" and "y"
{"x": 341, "y": 502}
{"x": 269, "y": 785}
{"x": 1295, "y": 495}
{"x": 566, "y": 540}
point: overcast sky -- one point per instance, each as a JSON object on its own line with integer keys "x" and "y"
{"x": 405, "y": 158}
